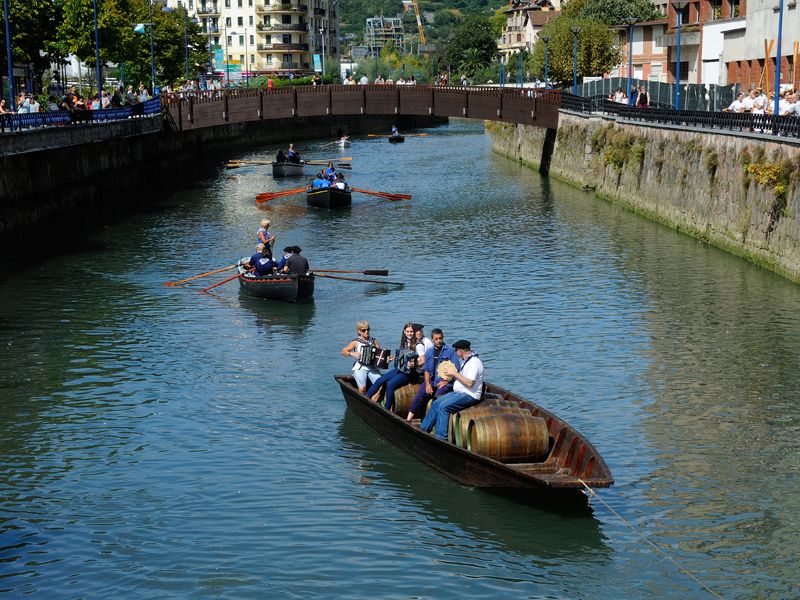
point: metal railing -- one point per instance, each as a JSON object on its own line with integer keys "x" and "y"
{"x": 61, "y": 118}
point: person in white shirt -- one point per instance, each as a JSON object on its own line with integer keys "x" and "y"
{"x": 737, "y": 105}
{"x": 349, "y": 80}
{"x": 363, "y": 80}
{"x": 786, "y": 104}
{"x": 467, "y": 390}
{"x": 749, "y": 100}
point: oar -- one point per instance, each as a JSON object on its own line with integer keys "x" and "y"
{"x": 360, "y": 280}
{"x": 381, "y": 272}
{"x": 388, "y": 195}
{"x": 402, "y": 134}
{"x": 267, "y": 196}
{"x": 325, "y": 161}
{"x": 180, "y": 281}
{"x": 219, "y": 283}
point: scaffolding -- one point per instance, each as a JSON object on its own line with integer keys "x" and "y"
{"x": 381, "y": 31}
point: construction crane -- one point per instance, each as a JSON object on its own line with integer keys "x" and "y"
{"x": 420, "y": 26}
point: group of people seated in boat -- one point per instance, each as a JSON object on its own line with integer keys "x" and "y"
{"x": 291, "y": 155}
{"x": 262, "y": 263}
{"x": 329, "y": 178}
{"x": 451, "y": 376}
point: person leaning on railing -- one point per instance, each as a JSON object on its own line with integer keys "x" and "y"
{"x": 737, "y": 105}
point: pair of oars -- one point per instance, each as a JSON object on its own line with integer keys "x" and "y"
{"x": 387, "y": 195}
{"x": 383, "y": 135}
{"x": 267, "y": 196}
{"x": 178, "y": 282}
{"x": 235, "y": 164}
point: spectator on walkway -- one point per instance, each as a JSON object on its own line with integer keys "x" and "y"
{"x": 4, "y": 110}
{"x": 130, "y": 96}
{"x": 643, "y": 99}
{"x": 619, "y": 96}
{"x": 33, "y": 105}
{"x": 737, "y": 105}
{"x": 749, "y": 100}
{"x": 144, "y": 95}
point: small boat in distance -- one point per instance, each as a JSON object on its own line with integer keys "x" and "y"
{"x": 396, "y": 139}
{"x": 280, "y": 286}
{"x": 568, "y": 459}
{"x": 329, "y": 197}
{"x": 288, "y": 169}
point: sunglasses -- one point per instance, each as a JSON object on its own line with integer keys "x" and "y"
{"x": 367, "y": 329}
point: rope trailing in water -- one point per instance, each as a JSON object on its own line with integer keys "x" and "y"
{"x": 592, "y": 494}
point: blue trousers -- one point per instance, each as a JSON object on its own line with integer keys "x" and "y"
{"x": 442, "y": 408}
{"x": 392, "y": 380}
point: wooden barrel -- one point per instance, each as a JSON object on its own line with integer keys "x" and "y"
{"x": 461, "y": 419}
{"x": 509, "y": 437}
{"x": 403, "y": 397}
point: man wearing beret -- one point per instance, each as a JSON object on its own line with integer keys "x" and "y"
{"x": 467, "y": 390}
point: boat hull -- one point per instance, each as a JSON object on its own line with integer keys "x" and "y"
{"x": 283, "y": 287}
{"x": 396, "y": 139}
{"x": 571, "y": 459}
{"x": 287, "y": 169}
{"x": 329, "y": 198}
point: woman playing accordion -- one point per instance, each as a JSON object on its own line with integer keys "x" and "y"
{"x": 405, "y": 369}
{"x": 362, "y": 348}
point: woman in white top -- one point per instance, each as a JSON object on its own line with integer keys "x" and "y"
{"x": 353, "y": 350}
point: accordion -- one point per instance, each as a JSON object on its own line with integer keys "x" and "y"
{"x": 402, "y": 358}
{"x": 371, "y": 356}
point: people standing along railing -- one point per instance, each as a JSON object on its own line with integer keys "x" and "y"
{"x": 60, "y": 118}
{"x": 788, "y": 126}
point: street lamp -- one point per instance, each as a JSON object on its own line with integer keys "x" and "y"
{"x": 630, "y": 22}
{"x": 97, "y": 56}
{"x": 546, "y": 40}
{"x": 776, "y": 110}
{"x": 152, "y": 52}
{"x": 678, "y": 5}
{"x": 322, "y": 35}
{"x": 575, "y": 29}
{"x": 227, "y": 62}
{"x": 8, "y": 58}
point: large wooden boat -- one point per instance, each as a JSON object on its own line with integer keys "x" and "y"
{"x": 281, "y": 286}
{"x": 287, "y": 169}
{"x": 396, "y": 139}
{"x": 330, "y": 197}
{"x": 570, "y": 460}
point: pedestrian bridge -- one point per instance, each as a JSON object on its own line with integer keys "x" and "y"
{"x": 525, "y": 106}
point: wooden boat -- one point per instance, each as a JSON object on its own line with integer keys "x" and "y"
{"x": 281, "y": 286}
{"x": 396, "y": 139}
{"x": 343, "y": 143}
{"x": 330, "y": 197}
{"x": 287, "y": 169}
{"x": 570, "y": 460}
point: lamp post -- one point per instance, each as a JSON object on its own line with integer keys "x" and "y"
{"x": 186, "y": 41}
{"x": 776, "y": 110}
{"x": 97, "y": 56}
{"x": 678, "y": 5}
{"x": 630, "y": 22}
{"x": 152, "y": 52}
{"x": 322, "y": 35}
{"x": 546, "y": 40}
{"x": 8, "y": 58}
{"x": 227, "y": 62}
{"x": 502, "y": 72}
{"x": 575, "y": 29}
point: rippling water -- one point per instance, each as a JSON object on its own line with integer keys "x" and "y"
{"x": 160, "y": 442}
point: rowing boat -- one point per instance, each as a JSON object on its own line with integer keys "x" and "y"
{"x": 281, "y": 286}
{"x": 396, "y": 139}
{"x": 287, "y": 169}
{"x": 329, "y": 197}
{"x": 569, "y": 461}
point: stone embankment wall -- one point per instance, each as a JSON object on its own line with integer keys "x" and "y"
{"x": 74, "y": 179}
{"x": 738, "y": 193}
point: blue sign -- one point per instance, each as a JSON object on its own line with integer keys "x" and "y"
{"x": 318, "y": 63}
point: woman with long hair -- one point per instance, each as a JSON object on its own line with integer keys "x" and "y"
{"x": 398, "y": 377}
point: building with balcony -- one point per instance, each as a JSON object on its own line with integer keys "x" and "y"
{"x": 649, "y": 56}
{"x": 247, "y": 38}
{"x": 524, "y": 21}
{"x": 382, "y": 31}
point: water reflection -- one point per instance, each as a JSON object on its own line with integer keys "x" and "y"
{"x": 509, "y": 522}
{"x": 270, "y": 314}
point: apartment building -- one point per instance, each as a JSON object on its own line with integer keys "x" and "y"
{"x": 649, "y": 55}
{"x": 524, "y": 21}
{"x": 247, "y": 38}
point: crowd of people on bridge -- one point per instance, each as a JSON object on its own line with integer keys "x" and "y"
{"x": 757, "y": 102}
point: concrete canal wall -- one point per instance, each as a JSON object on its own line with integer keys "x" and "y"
{"x": 738, "y": 193}
{"x": 84, "y": 176}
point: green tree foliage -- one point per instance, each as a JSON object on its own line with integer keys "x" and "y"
{"x": 32, "y": 25}
{"x": 611, "y": 12}
{"x": 471, "y": 62}
{"x": 597, "y": 49}
{"x": 472, "y": 32}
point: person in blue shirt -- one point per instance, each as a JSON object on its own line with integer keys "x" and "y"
{"x": 395, "y": 133}
{"x": 433, "y": 386}
{"x": 330, "y": 172}
{"x": 320, "y": 182}
{"x": 261, "y": 262}
{"x": 293, "y": 155}
{"x": 287, "y": 252}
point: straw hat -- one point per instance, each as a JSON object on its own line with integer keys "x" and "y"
{"x": 445, "y": 369}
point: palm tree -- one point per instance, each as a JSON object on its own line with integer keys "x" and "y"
{"x": 471, "y": 62}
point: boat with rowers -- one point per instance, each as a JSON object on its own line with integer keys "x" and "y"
{"x": 559, "y": 462}
{"x": 396, "y": 139}
{"x": 288, "y": 169}
{"x": 279, "y": 286}
{"x": 328, "y": 197}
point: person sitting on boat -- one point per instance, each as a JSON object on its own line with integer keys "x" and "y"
{"x": 341, "y": 183}
{"x": 281, "y": 157}
{"x": 320, "y": 182}
{"x": 395, "y": 133}
{"x": 434, "y": 385}
{"x": 467, "y": 390}
{"x": 344, "y": 139}
{"x": 287, "y": 252}
{"x": 330, "y": 172}
{"x": 293, "y": 155}
{"x": 423, "y": 343}
{"x": 296, "y": 264}
{"x": 263, "y": 235}
{"x": 261, "y": 262}
{"x": 404, "y": 371}
{"x": 353, "y": 350}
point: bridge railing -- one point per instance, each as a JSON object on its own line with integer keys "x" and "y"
{"x": 61, "y": 118}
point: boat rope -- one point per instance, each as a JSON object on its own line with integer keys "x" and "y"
{"x": 592, "y": 494}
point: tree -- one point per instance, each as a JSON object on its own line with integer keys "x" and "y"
{"x": 471, "y": 62}
{"x": 597, "y": 49}
{"x": 472, "y": 32}
{"x": 611, "y": 12}
{"x": 32, "y": 25}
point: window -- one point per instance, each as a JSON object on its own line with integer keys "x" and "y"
{"x": 716, "y": 10}
{"x": 230, "y": 41}
{"x": 249, "y": 2}
{"x": 216, "y": 40}
{"x": 239, "y": 3}
{"x": 191, "y": 3}
{"x": 227, "y": 3}
{"x": 684, "y": 14}
{"x": 227, "y": 21}
{"x": 241, "y": 59}
{"x": 286, "y": 39}
{"x": 252, "y": 39}
{"x": 241, "y": 40}
{"x": 240, "y": 21}
{"x": 286, "y": 19}
{"x": 252, "y": 58}
{"x": 250, "y": 21}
